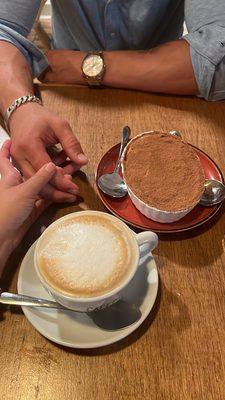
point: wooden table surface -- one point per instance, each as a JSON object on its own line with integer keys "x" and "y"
{"x": 179, "y": 352}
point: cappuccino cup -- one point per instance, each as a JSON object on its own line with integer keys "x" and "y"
{"x": 85, "y": 259}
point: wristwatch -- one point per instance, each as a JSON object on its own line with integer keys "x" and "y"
{"x": 93, "y": 68}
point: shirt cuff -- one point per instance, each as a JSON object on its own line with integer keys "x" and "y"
{"x": 34, "y": 56}
{"x": 207, "y": 50}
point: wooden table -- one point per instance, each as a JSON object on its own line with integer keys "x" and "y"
{"x": 179, "y": 352}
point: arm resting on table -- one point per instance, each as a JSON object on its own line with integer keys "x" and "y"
{"x": 193, "y": 65}
{"x": 178, "y": 67}
{"x": 164, "y": 69}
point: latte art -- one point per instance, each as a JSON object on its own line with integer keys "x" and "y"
{"x": 86, "y": 256}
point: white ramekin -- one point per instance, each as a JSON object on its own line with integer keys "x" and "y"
{"x": 152, "y": 212}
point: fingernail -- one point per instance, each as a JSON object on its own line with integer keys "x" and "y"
{"x": 81, "y": 157}
{"x": 72, "y": 200}
{"x": 50, "y": 167}
{"x": 73, "y": 191}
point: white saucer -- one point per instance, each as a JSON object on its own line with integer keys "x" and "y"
{"x": 78, "y": 330}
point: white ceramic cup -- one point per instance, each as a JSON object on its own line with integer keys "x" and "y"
{"x": 143, "y": 243}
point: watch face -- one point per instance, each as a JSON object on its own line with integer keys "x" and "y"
{"x": 93, "y": 65}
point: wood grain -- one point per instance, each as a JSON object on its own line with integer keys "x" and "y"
{"x": 179, "y": 352}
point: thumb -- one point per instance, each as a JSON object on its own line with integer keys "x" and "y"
{"x": 34, "y": 185}
{"x": 71, "y": 146}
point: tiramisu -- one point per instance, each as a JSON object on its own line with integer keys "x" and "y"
{"x": 164, "y": 174}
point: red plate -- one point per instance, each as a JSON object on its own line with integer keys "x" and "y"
{"x": 125, "y": 210}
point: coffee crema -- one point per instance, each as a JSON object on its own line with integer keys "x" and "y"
{"x": 86, "y": 256}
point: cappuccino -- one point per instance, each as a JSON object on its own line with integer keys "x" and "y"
{"x": 86, "y": 255}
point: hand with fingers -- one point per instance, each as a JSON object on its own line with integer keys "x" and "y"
{"x": 34, "y": 130}
{"x": 21, "y": 203}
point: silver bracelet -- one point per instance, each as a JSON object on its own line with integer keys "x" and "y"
{"x": 17, "y": 103}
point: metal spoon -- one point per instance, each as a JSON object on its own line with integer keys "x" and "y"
{"x": 22, "y": 300}
{"x": 214, "y": 193}
{"x": 112, "y": 184}
{"x": 114, "y": 317}
{"x": 175, "y": 133}
{"x": 117, "y": 316}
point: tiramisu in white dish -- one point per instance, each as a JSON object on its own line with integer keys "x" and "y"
{"x": 163, "y": 174}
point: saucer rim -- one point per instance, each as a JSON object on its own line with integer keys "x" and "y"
{"x": 119, "y": 334}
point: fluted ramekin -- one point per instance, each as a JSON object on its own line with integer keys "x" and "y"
{"x": 151, "y": 212}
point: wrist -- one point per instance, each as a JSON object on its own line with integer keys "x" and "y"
{"x": 122, "y": 68}
{"x": 64, "y": 67}
{"x": 78, "y": 58}
{"x": 22, "y": 113}
{"x": 12, "y": 94}
{"x": 18, "y": 103}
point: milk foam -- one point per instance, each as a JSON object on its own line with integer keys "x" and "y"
{"x": 85, "y": 256}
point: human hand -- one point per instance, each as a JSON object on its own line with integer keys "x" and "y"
{"x": 20, "y": 201}
{"x": 34, "y": 130}
{"x": 64, "y": 67}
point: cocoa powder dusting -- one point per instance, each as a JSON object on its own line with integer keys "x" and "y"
{"x": 164, "y": 172}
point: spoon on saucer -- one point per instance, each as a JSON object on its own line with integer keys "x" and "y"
{"x": 114, "y": 317}
{"x": 214, "y": 193}
{"x": 175, "y": 133}
{"x": 28, "y": 301}
{"x": 112, "y": 184}
{"x": 117, "y": 316}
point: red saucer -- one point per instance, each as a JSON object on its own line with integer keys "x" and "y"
{"x": 125, "y": 210}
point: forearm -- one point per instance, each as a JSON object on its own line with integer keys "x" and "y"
{"x": 164, "y": 69}
{"x": 15, "y": 75}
